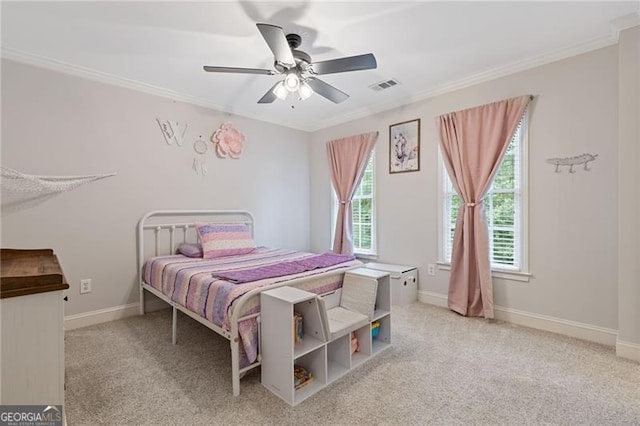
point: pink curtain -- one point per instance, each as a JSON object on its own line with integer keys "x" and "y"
{"x": 473, "y": 142}
{"x": 348, "y": 159}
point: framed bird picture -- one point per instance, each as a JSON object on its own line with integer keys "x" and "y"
{"x": 404, "y": 146}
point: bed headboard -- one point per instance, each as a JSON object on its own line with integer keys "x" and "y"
{"x": 160, "y": 232}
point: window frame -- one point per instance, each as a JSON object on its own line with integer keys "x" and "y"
{"x": 366, "y": 254}
{"x": 518, "y": 274}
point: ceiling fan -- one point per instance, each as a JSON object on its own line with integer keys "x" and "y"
{"x": 298, "y": 69}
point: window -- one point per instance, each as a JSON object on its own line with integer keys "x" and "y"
{"x": 363, "y": 208}
{"x": 504, "y": 207}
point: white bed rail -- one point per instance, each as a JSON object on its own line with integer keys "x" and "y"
{"x": 181, "y": 221}
{"x": 170, "y": 221}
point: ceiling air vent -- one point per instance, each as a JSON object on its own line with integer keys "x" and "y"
{"x": 385, "y": 84}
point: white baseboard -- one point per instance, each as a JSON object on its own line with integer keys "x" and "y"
{"x": 591, "y": 333}
{"x": 628, "y": 350}
{"x": 86, "y": 319}
{"x": 605, "y": 336}
{"x": 433, "y": 298}
{"x": 541, "y": 322}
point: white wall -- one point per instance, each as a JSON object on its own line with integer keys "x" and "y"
{"x": 629, "y": 196}
{"x": 573, "y": 217}
{"x": 56, "y": 124}
{"x": 63, "y": 125}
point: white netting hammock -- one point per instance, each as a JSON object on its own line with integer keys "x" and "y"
{"x": 21, "y": 190}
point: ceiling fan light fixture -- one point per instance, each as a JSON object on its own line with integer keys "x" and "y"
{"x": 280, "y": 91}
{"x": 292, "y": 82}
{"x": 304, "y": 91}
{"x": 297, "y": 69}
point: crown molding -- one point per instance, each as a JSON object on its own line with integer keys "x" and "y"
{"x": 103, "y": 77}
{"x": 624, "y": 23}
{"x": 617, "y": 26}
{"x": 492, "y": 74}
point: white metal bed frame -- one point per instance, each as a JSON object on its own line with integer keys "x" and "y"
{"x": 172, "y": 221}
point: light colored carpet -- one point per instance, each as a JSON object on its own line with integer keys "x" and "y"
{"x": 441, "y": 369}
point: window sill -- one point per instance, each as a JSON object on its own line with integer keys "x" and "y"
{"x": 366, "y": 256}
{"x": 363, "y": 256}
{"x": 496, "y": 273}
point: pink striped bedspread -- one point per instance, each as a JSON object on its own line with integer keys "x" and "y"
{"x": 190, "y": 282}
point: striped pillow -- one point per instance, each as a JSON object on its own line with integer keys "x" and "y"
{"x": 225, "y": 239}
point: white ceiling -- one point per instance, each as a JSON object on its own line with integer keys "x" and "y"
{"x": 429, "y": 47}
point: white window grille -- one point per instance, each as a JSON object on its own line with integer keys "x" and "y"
{"x": 504, "y": 206}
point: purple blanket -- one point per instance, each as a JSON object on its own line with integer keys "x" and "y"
{"x": 285, "y": 268}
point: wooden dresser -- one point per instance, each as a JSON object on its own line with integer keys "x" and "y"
{"x": 32, "y": 310}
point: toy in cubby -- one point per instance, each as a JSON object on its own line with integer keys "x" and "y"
{"x": 354, "y": 343}
{"x": 375, "y": 329}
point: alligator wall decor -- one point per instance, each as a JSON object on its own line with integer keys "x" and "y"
{"x": 572, "y": 161}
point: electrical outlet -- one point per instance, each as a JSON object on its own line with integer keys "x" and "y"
{"x": 431, "y": 269}
{"x": 85, "y": 286}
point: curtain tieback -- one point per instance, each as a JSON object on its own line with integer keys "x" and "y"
{"x": 343, "y": 202}
{"x": 474, "y": 204}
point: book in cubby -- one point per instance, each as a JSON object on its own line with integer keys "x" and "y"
{"x": 297, "y": 327}
{"x": 295, "y": 364}
{"x": 301, "y": 377}
{"x": 290, "y": 319}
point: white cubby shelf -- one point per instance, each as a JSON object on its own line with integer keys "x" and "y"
{"x": 326, "y": 359}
